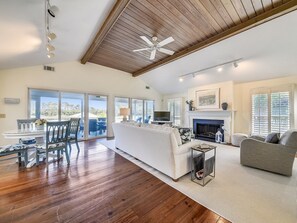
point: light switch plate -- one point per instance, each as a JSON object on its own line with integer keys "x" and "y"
{"x": 2, "y": 115}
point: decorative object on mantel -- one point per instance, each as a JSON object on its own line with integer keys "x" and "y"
{"x": 190, "y": 103}
{"x": 208, "y": 99}
{"x": 218, "y": 66}
{"x": 224, "y": 106}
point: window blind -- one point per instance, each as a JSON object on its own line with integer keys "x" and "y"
{"x": 280, "y": 111}
{"x": 260, "y": 114}
{"x": 271, "y": 112}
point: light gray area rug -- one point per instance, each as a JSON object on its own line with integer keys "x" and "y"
{"x": 240, "y": 194}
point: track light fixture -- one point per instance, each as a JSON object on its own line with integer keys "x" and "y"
{"x": 50, "y": 55}
{"x": 51, "y": 36}
{"x": 218, "y": 66}
{"x": 50, "y": 47}
{"x": 51, "y": 11}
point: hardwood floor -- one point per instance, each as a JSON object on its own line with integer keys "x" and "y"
{"x": 98, "y": 186}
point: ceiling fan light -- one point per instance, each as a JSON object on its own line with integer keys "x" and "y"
{"x": 53, "y": 11}
{"x": 50, "y": 47}
{"x": 51, "y": 36}
{"x": 50, "y": 55}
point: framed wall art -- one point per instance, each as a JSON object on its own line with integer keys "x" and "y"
{"x": 208, "y": 99}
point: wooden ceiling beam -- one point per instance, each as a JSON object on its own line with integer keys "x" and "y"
{"x": 112, "y": 18}
{"x": 255, "y": 21}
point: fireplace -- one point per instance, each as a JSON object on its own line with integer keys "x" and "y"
{"x": 206, "y": 129}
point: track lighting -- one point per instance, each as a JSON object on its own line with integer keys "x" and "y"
{"x": 52, "y": 10}
{"x": 218, "y": 66}
{"x": 50, "y": 55}
{"x": 50, "y": 47}
{"x": 51, "y": 36}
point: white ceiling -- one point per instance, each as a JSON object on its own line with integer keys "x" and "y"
{"x": 22, "y": 25}
{"x": 268, "y": 51}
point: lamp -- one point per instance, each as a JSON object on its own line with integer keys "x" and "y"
{"x": 51, "y": 36}
{"x": 125, "y": 112}
{"x": 50, "y": 47}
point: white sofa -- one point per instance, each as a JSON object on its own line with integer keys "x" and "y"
{"x": 156, "y": 146}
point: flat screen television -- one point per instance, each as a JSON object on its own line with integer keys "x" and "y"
{"x": 161, "y": 115}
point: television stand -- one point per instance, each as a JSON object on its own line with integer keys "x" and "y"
{"x": 161, "y": 122}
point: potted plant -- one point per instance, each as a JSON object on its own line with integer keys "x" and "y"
{"x": 190, "y": 103}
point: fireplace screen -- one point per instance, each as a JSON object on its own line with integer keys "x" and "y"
{"x": 206, "y": 129}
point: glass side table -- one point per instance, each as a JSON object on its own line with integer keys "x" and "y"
{"x": 203, "y": 168}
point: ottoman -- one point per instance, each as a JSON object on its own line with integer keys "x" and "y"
{"x": 237, "y": 138}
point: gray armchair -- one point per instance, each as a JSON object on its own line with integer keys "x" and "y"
{"x": 277, "y": 158}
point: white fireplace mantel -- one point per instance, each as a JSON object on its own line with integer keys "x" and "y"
{"x": 227, "y": 116}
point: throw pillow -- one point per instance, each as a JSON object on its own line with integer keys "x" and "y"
{"x": 185, "y": 134}
{"x": 272, "y": 138}
{"x": 177, "y": 136}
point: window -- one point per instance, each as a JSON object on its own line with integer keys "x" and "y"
{"x": 57, "y": 105}
{"x": 137, "y": 110}
{"x": 142, "y": 110}
{"x": 148, "y": 111}
{"x": 120, "y": 103}
{"x": 174, "y": 106}
{"x": 271, "y": 112}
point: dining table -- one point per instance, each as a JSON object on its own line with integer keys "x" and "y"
{"x": 28, "y": 133}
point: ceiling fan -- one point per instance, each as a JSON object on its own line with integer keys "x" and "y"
{"x": 154, "y": 46}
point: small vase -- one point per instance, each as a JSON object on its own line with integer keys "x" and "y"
{"x": 224, "y": 106}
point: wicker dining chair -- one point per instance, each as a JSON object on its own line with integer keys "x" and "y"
{"x": 56, "y": 140}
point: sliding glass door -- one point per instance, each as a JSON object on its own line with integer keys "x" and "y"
{"x": 72, "y": 106}
{"x": 97, "y": 116}
{"x": 57, "y": 105}
{"x": 44, "y": 104}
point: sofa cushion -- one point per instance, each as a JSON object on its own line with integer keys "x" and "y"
{"x": 185, "y": 134}
{"x": 289, "y": 138}
{"x": 272, "y": 138}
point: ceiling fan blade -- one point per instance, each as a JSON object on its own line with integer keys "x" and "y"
{"x": 170, "y": 52}
{"x": 147, "y": 40}
{"x": 141, "y": 49}
{"x": 166, "y": 41}
{"x": 153, "y": 54}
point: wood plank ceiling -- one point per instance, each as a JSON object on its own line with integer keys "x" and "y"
{"x": 194, "y": 24}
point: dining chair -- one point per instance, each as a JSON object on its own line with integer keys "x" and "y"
{"x": 20, "y": 150}
{"x": 73, "y": 132}
{"x": 56, "y": 139}
{"x": 26, "y": 124}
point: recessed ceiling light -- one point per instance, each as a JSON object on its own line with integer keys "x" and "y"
{"x": 181, "y": 79}
{"x": 219, "y": 69}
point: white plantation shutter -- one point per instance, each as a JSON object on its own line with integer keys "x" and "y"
{"x": 271, "y": 110}
{"x": 260, "y": 114}
{"x": 280, "y": 111}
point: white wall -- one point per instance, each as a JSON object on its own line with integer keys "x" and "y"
{"x": 70, "y": 76}
{"x": 243, "y": 101}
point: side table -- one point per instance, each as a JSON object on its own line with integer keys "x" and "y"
{"x": 203, "y": 169}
